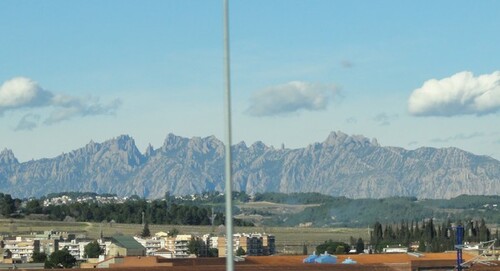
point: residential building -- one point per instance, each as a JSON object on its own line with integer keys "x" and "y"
{"x": 181, "y": 245}
{"x": 75, "y": 247}
{"x": 254, "y": 244}
{"x": 21, "y": 248}
{"x": 151, "y": 244}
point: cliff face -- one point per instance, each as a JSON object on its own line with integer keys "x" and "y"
{"x": 342, "y": 165}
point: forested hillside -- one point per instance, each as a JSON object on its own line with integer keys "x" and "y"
{"x": 272, "y": 209}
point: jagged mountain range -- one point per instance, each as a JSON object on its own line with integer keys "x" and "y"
{"x": 342, "y": 165}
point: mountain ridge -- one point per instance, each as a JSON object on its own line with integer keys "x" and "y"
{"x": 341, "y": 165}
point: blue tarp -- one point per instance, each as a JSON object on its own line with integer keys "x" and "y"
{"x": 349, "y": 261}
{"x": 310, "y": 258}
{"x": 326, "y": 258}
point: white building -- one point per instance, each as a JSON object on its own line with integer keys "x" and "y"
{"x": 151, "y": 244}
{"x": 75, "y": 247}
{"x": 22, "y": 249}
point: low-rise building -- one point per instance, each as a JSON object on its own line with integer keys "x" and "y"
{"x": 122, "y": 245}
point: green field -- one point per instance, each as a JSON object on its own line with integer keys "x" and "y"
{"x": 288, "y": 239}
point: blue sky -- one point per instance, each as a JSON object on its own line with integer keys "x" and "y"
{"x": 411, "y": 74}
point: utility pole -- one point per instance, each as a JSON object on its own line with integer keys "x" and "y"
{"x": 228, "y": 171}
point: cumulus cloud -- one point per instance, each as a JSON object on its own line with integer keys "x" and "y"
{"x": 24, "y": 93}
{"x": 291, "y": 97}
{"x": 460, "y": 94}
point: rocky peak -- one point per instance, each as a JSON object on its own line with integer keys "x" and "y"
{"x": 338, "y": 138}
{"x": 335, "y": 138}
{"x": 124, "y": 146}
{"x": 7, "y": 157}
{"x": 241, "y": 145}
{"x": 150, "y": 151}
{"x": 258, "y": 146}
{"x": 173, "y": 142}
{"x": 123, "y": 142}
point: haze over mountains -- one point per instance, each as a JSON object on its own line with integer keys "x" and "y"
{"x": 342, "y": 165}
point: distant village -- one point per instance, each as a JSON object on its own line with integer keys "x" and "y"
{"x": 64, "y": 198}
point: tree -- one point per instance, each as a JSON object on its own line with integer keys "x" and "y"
{"x": 145, "y": 231}
{"x": 33, "y": 207}
{"x": 360, "y": 246}
{"x": 93, "y": 250}
{"x": 331, "y": 247}
{"x": 60, "y": 259}
{"x": 240, "y": 251}
{"x": 195, "y": 246}
{"x": 340, "y": 250}
{"x": 377, "y": 235}
{"x": 173, "y": 232}
{"x": 213, "y": 252}
{"x": 8, "y": 254}
{"x": 7, "y": 205}
{"x": 38, "y": 257}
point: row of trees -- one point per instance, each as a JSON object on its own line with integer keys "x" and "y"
{"x": 155, "y": 212}
{"x": 431, "y": 238}
{"x": 333, "y": 247}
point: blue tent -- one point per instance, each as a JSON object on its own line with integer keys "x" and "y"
{"x": 326, "y": 258}
{"x": 310, "y": 258}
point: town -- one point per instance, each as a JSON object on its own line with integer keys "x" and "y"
{"x": 24, "y": 250}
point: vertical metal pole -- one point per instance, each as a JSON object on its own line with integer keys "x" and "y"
{"x": 229, "y": 183}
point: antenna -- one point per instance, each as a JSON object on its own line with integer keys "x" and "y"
{"x": 486, "y": 257}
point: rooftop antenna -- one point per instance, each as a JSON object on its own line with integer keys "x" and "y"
{"x": 485, "y": 257}
{"x": 228, "y": 173}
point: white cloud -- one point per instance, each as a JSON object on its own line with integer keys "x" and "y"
{"x": 291, "y": 97}
{"x": 21, "y": 93}
{"x": 460, "y": 94}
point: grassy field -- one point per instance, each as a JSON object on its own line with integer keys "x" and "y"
{"x": 288, "y": 240}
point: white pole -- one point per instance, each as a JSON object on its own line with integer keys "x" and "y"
{"x": 229, "y": 183}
